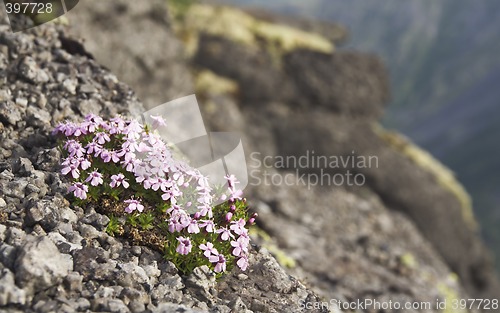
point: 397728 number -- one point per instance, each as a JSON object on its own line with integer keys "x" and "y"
{"x": 481, "y": 304}
{"x": 28, "y": 8}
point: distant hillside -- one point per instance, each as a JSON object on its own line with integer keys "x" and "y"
{"x": 445, "y": 68}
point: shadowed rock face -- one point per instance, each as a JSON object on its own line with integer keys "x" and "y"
{"x": 330, "y": 104}
{"x": 385, "y": 240}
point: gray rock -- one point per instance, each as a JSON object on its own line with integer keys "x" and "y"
{"x": 70, "y": 85}
{"x": 32, "y": 189}
{"x": 73, "y": 281}
{"x": 22, "y": 166}
{"x": 3, "y": 228}
{"x": 152, "y": 270}
{"x": 136, "y": 250}
{"x": 174, "y": 308}
{"x": 16, "y": 150}
{"x": 334, "y": 251}
{"x": 67, "y": 307}
{"x": 62, "y": 243}
{"x": 38, "y": 231}
{"x": 132, "y": 274}
{"x": 38, "y": 117}
{"x": 6, "y": 175}
{"x": 29, "y": 70}
{"x": 15, "y": 236}
{"x": 87, "y": 88}
{"x": 22, "y": 102}
{"x": 129, "y": 294}
{"x": 66, "y": 229}
{"x": 5, "y": 95}
{"x": 73, "y": 236}
{"x": 109, "y": 305}
{"x": 237, "y": 305}
{"x": 9, "y": 292}
{"x": 268, "y": 287}
{"x": 9, "y": 112}
{"x": 40, "y": 265}
{"x": 46, "y": 305}
{"x": 111, "y": 244}
{"x": 117, "y": 306}
{"x": 48, "y": 159}
{"x": 7, "y": 255}
{"x": 94, "y": 264}
{"x": 202, "y": 282}
{"x": 169, "y": 290}
{"x": 82, "y": 304}
{"x": 14, "y": 188}
{"x": 105, "y": 292}
{"x": 137, "y": 307}
{"x": 89, "y": 106}
{"x": 88, "y": 231}
{"x": 50, "y": 212}
{"x": 346, "y": 83}
{"x": 99, "y": 221}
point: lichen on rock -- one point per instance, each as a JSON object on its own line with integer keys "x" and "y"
{"x": 243, "y": 28}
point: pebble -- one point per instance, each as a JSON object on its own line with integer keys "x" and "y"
{"x": 40, "y": 265}
{"x": 242, "y": 276}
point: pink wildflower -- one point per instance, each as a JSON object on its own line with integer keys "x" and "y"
{"x": 184, "y": 246}
{"x": 133, "y": 205}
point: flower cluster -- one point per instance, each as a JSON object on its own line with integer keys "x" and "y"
{"x": 129, "y": 163}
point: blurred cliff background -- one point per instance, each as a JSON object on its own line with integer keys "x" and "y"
{"x": 335, "y": 84}
{"x": 444, "y": 68}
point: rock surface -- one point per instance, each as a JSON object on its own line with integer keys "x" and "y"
{"x": 39, "y": 265}
{"x": 58, "y": 258}
{"x": 139, "y": 54}
{"x": 379, "y": 241}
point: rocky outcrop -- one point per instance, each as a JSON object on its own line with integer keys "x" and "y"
{"x": 378, "y": 241}
{"x": 55, "y": 257}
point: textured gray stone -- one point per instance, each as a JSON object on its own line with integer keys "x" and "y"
{"x": 62, "y": 243}
{"x": 22, "y": 166}
{"x": 132, "y": 275}
{"x": 9, "y": 292}
{"x": 50, "y": 212}
{"x": 14, "y": 188}
{"x": 15, "y": 236}
{"x": 202, "y": 282}
{"x": 7, "y": 255}
{"x": 30, "y": 70}
{"x": 175, "y": 308}
{"x": 3, "y": 230}
{"x": 40, "y": 265}
{"x": 38, "y": 117}
{"x": 9, "y": 112}
{"x": 73, "y": 281}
